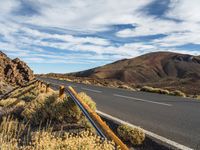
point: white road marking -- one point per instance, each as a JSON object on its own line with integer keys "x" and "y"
{"x": 96, "y": 91}
{"x": 143, "y": 100}
{"x": 149, "y": 133}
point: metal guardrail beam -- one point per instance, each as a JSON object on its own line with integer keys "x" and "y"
{"x": 85, "y": 112}
{"x": 95, "y": 118}
{"x": 6, "y": 95}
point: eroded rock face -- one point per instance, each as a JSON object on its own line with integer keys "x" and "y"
{"x": 14, "y": 72}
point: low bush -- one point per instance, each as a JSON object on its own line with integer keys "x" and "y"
{"x": 178, "y": 93}
{"x": 49, "y": 107}
{"x": 88, "y": 100}
{"x": 154, "y": 90}
{"x": 134, "y": 135}
{"x": 162, "y": 91}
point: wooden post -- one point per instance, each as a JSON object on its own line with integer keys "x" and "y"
{"x": 43, "y": 87}
{"x": 47, "y": 88}
{"x": 61, "y": 92}
{"x": 39, "y": 84}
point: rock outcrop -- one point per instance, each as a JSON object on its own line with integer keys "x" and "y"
{"x": 13, "y": 72}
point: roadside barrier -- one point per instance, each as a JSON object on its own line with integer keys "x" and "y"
{"x": 96, "y": 118}
{"x": 6, "y": 95}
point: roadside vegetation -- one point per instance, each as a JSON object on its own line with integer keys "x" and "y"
{"x": 39, "y": 120}
{"x": 162, "y": 91}
{"x": 135, "y": 136}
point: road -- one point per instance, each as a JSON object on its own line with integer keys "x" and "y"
{"x": 175, "y": 118}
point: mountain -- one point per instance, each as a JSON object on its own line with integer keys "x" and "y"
{"x": 13, "y": 72}
{"x": 148, "y": 68}
{"x": 158, "y": 69}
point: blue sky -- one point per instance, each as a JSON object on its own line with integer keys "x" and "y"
{"x": 71, "y": 35}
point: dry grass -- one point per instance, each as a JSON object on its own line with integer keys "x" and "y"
{"x": 162, "y": 91}
{"x": 154, "y": 90}
{"x": 134, "y": 135}
{"x": 178, "y": 93}
{"x": 88, "y": 100}
{"x": 30, "y": 129}
{"x": 49, "y": 107}
{"x": 18, "y": 136}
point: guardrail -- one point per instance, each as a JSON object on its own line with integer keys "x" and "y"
{"x": 6, "y": 95}
{"x": 93, "y": 117}
{"x": 85, "y": 112}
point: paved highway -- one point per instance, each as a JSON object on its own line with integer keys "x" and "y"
{"x": 175, "y": 118}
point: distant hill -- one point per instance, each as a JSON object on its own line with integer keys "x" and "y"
{"x": 158, "y": 69}
{"x": 13, "y": 72}
{"x": 150, "y": 67}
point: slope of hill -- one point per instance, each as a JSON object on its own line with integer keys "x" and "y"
{"x": 148, "y": 68}
{"x": 159, "y": 69}
{"x": 13, "y": 72}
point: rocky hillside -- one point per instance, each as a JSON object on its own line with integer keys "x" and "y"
{"x": 158, "y": 69}
{"x": 13, "y": 72}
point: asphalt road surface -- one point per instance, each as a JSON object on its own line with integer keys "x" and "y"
{"x": 172, "y": 117}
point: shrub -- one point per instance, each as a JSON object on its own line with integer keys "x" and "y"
{"x": 88, "y": 100}
{"x": 178, "y": 93}
{"x": 154, "y": 90}
{"x": 162, "y": 91}
{"x": 134, "y": 135}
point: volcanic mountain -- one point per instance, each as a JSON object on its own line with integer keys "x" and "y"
{"x": 160, "y": 69}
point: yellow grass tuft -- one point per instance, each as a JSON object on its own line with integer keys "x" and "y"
{"x": 162, "y": 91}
{"x": 134, "y": 135}
{"x": 88, "y": 100}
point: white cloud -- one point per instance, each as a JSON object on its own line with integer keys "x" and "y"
{"x": 85, "y": 15}
{"x": 187, "y": 10}
{"x": 6, "y": 6}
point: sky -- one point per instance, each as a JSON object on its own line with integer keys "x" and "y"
{"x": 71, "y": 35}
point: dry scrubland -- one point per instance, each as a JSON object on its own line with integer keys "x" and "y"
{"x": 39, "y": 120}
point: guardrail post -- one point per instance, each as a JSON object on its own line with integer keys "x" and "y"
{"x": 47, "y": 88}
{"x": 61, "y": 92}
{"x": 43, "y": 87}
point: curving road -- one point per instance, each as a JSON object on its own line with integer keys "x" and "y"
{"x": 175, "y": 118}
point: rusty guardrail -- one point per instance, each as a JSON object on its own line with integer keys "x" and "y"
{"x": 99, "y": 123}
